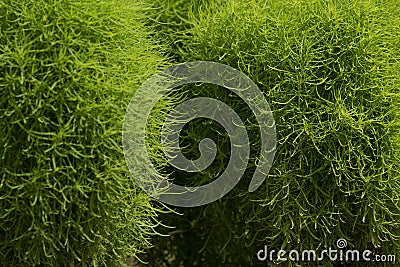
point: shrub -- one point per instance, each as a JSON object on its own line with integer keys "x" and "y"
{"x": 68, "y": 70}
{"x": 330, "y": 71}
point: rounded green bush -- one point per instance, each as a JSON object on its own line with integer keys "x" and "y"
{"x": 67, "y": 72}
{"x": 330, "y": 71}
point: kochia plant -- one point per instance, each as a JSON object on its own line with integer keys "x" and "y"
{"x": 67, "y": 72}
{"x": 330, "y": 71}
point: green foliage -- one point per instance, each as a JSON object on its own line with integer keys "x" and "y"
{"x": 330, "y": 71}
{"x": 67, "y": 72}
{"x": 172, "y": 17}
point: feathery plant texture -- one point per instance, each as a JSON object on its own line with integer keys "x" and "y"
{"x": 67, "y": 72}
{"x": 330, "y": 70}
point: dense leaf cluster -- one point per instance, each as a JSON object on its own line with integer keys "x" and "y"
{"x": 330, "y": 71}
{"x": 67, "y": 72}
